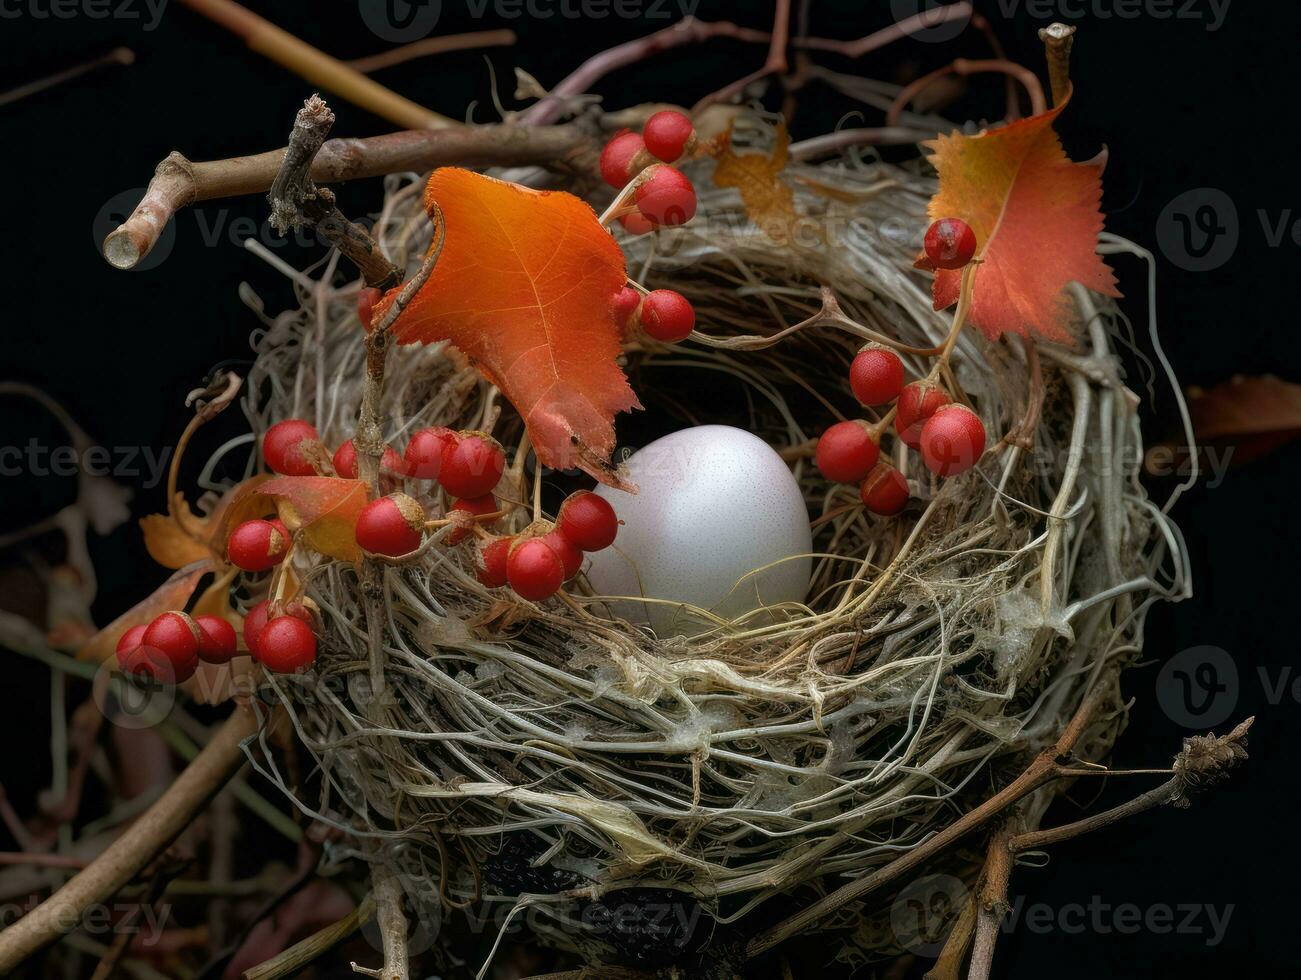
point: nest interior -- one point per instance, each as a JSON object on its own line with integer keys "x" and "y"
{"x": 550, "y": 756}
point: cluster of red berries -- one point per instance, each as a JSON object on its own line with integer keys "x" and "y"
{"x": 468, "y": 465}
{"x": 950, "y": 437}
{"x": 663, "y": 195}
{"x": 169, "y": 649}
{"x": 662, "y": 314}
{"x": 537, "y": 562}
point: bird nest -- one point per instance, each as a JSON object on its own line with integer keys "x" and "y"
{"x": 547, "y": 757}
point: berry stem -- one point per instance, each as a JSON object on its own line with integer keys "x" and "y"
{"x": 959, "y": 320}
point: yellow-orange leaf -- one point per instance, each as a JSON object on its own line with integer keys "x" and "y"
{"x": 768, "y": 201}
{"x": 177, "y": 538}
{"x": 1036, "y": 217}
{"x": 325, "y": 508}
{"x": 524, "y": 287}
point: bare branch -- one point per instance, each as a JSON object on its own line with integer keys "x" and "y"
{"x": 178, "y": 182}
{"x": 141, "y": 843}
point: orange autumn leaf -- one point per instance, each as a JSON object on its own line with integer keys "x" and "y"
{"x": 768, "y": 201}
{"x": 321, "y": 510}
{"x": 524, "y": 287}
{"x": 1240, "y": 420}
{"x": 173, "y": 594}
{"x": 179, "y": 537}
{"x": 1036, "y": 218}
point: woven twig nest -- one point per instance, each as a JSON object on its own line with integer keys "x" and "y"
{"x": 550, "y": 755}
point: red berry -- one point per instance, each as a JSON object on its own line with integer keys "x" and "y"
{"x": 626, "y": 302}
{"x": 666, "y": 196}
{"x": 617, "y": 158}
{"x": 846, "y": 452}
{"x": 366, "y": 300}
{"x": 885, "y": 491}
{"x": 254, "y": 622}
{"x": 534, "y": 570}
{"x": 637, "y": 224}
{"x": 425, "y": 450}
{"x": 133, "y": 657}
{"x": 588, "y": 521}
{"x": 917, "y": 402}
{"x": 345, "y": 461}
{"x": 287, "y": 645}
{"x": 876, "y": 375}
{"x": 666, "y": 134}
{"x": 475, "y": 506}
{"x": 391, "y": 526}
{"x": 568, "y": 553}
{"x": 217, "y": 639}
{"x": 950, "y": 243}
{"x": 492, "y": 562}
{"x": 667, "y": 316}
{"x": 257, "y": 545}
{"x": 282, "y": 447}
{"x": 473, "y": 466}
{"x": 175, "y": 637}
{"x": 952, "y": 440}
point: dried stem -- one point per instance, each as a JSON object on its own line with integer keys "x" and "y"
{"x": 178, "y": 182}
{"x": 290, "y": 962}
{"x": 1058, "y": 39}
{"x": 141, "y": 843}
{"x": 316, "y": 66}
{"x": 118, "y": 56}
{"x": 296, "y": 200}
{"x": 392, "y": 924}
{"x": 888, "y": 35}
{"x": 434, "y": 45}
{"x": 1041, "y": 771}
{"x": 774, "y": 64}
{"x": 991, "y": 901}
{"x": 964, "y": 67}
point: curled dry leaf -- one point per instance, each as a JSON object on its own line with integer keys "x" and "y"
{"x": 1250, "y": 416}
{"x": 322, "y": 511}
{"x": 768, "y": 200}
{"x": 524, "y": 287}
{"x": 180, "y": 536}
{"x": 1036, "y": 217}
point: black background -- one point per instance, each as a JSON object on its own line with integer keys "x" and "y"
{"x": 1179, "y": 107}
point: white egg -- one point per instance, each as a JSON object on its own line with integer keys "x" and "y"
{"x": 719, "y": 523}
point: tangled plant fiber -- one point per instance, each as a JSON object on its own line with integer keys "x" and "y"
{"x": 546, "y": 756}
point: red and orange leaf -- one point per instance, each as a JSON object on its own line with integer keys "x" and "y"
{"x": 179, "y": 537}
{"x": 1036, "y": 217}
{"x": 321, "y": 510}
{"x": 524, "y": 288}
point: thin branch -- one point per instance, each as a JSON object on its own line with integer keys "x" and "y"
{"x": 428, "y": 46}
{"x": 392, "y": 924}
{"x": 296, "y": 200}
{"x": 118, "y": 56}
{"x": 1041, "y": 771}
{"x": 178, "y": 182}
{"x": 774, "y": 64}
{"x": 689, "y": 30}
{"x": 316, "y": 66}
{"x": 964, "y": 67}
{"x": 991, "y": 902}
{"x": 290, "y": 961}
{"x": 141, "y": 843}
{"x": 888, "y": 35}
